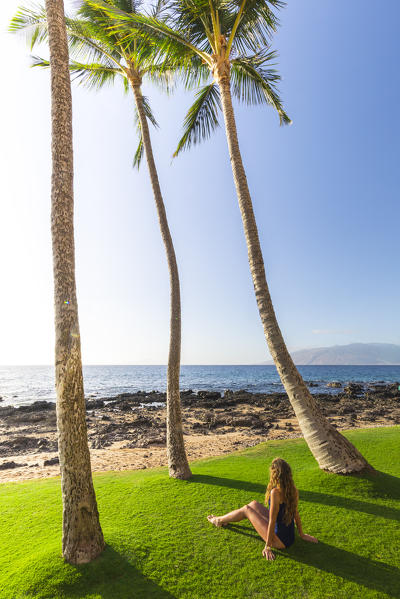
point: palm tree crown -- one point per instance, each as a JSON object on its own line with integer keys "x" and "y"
{"x": 199, "y": 38}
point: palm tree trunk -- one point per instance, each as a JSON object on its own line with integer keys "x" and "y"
{"x": 332, "y": 451}
{"x": 82, "y": 535}
{"x": 178, "y": 465}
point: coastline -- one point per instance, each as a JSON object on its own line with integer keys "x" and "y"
{"x": 128, "y": 431}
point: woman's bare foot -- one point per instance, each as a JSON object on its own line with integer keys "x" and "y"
{"x": 214, "y": 520}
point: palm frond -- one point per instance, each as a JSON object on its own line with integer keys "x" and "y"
{"x": 40, "y": 62}
{"x": 93, "y": 76}
{"x": 170, "y": 41}
{"x": 194, "y": 17}
{"x": 137, "y": 159}
{"x": 252, "y": 83}
{"x": 32, "y": 22}
{"x": 193, "y": 72}
{"x": 161, "y": 77}
{"x": 98, "y": 25}
{"x": 87, "y": 40}
{"x": 258, "y": 21}
{"x": 202, "y": 118}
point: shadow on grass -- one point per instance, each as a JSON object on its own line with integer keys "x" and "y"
{"x": 357, "y": 505}
{"x": 339, "y": 562}
{"x": 361, "y": 570}
{"x": 384, "y": 486}
{"x": 247, "y": 531}
{"x": 112, "y": 576}
{"x": 231, "y": 483}
{"x": 385, "y": 483}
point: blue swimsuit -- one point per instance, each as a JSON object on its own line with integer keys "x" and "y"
{"x": 283, "y": 531}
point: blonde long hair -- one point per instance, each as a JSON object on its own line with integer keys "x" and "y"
{"x": 281, "y": 477}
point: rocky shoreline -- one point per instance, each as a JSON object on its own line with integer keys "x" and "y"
{"x": 129, "y": 430}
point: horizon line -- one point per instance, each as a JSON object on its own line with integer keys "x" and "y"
{"x": 165, "y": 365}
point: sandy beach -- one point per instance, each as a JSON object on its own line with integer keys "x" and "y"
{"x": 127, "y": 432}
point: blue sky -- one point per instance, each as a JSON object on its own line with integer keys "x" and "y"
{"x": 325, "y": 192}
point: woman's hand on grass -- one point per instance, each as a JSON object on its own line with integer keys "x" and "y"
{"x": 309, "y": 538}
{"x": 268, "y": 554}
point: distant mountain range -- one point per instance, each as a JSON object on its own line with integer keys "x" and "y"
{"x": 354, "y": 354}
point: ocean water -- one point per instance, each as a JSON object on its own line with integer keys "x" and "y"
{"x": 25, "y": 384}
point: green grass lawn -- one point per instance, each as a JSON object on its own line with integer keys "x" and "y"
{"x": 160, "y": 545}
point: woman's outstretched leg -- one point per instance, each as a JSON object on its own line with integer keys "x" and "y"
{"x": 234, "y": 516}
{"x": 254, "y": 512}
{"x": 240, "y": 514}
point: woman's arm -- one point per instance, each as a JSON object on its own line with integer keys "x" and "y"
{"x": 302, "y": 535}
{"x": 273, "y": 514}
{"x": 297, "y": 520}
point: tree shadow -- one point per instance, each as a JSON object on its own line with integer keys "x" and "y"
{"x": 364, "y": 571}
{"x": 381, "y": 481}
{"x": 112, "y": 576}
{"x": 357, "y": 505}
{"x": 383, "y": 486}
{"x": 231, "y": 483}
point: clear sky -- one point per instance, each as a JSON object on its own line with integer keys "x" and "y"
{"x": 325, "y": 192}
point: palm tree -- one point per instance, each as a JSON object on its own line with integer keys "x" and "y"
{"x": 229, "y": 41}
{"x": 82, "y": 535}
{"x": 106, "y": 57}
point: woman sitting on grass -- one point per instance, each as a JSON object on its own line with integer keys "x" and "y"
{"x": 276, "y": 524}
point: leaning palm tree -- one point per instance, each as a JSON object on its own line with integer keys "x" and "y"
{"x": 229, "y": 42}
{"x": 105, "y": 56}
{"x": 82, "y": 535}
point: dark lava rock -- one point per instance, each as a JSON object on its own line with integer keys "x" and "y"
{"x": 36, "y": 406}
{"x": 209, "y": 394}
{"x": 94, "y": 404}
{"x": 112, "y": 427}
{"x": 35, "y": 417}
{"x": 147, "y": 441}
{"x": 47, "y": 445}
{"x": 100, "y": 442}
{"x": 51, "y": 462}
{"x": 142, "y": 421}
{"x": 353, "y": 389}
{"x": 17, "y": 445}
{"x": 346, "y": 409}
{"x": 23, "y": 444}
{"x": 312, "y": 384}
{"x": 245, "y": 421}
{"x": 376, "y": 412}
{"x": 7, "y": 465}
{"x": 7, "y": 411}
